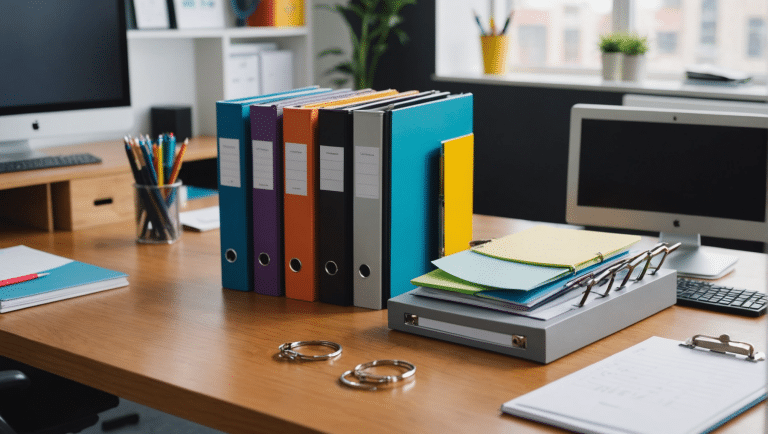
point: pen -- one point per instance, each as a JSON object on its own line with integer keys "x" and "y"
{"x": 177, "y": 162}
{"x": 479, "y": 24}
{"x": 169, "y": 146}
{"x": 158, "y": 164}
{"x": 20, "y": 279}
{"x": 506, "y": 23}
{"x": 492, "y": 23}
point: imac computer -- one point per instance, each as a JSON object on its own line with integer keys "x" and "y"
{"x": 683, "y": 173}
{"x": 64, "y": 72}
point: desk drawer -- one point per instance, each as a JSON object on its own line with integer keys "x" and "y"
{"x": 84, "y": 203}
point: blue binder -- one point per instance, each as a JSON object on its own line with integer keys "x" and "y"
{"x": 234, "y": 166}
{"x": 411, "y": 202}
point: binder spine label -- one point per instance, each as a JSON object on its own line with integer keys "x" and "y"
{"x": 332, "y": 168}
{"x": 263, "y": 173}
{"x": 367, "y": 172}
{"x": 296, "y": 169}
{"x": 229, "y": 162}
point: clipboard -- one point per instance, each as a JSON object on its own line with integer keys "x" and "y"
{"x": 542, "y": 341}
{"x": 658, "y": 385}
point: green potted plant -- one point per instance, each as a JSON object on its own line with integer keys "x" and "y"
{"x": 371, "y": 24}
{"x": 633, "y": 48}
{"x": 610, "y": 47}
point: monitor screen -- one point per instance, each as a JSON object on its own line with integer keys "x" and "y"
{"x": 62, "y": 55}
{"x": 697, "y": 170}
{"x": 678, "y": 172}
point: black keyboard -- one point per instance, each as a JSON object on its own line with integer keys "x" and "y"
{"x": 48, "y": 162}
{"x": 707, "y": 295}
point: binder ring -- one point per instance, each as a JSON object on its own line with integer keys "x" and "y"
{"x": 355, "y": 384}
{"x": 287, "y": 350}
{"x": 360, "y": 373}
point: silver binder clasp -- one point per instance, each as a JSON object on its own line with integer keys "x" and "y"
{"x": 725, "y": 345}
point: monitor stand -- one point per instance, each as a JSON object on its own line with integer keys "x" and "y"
{"x": 692, "y": 259}
{"x": 17, "y": 151}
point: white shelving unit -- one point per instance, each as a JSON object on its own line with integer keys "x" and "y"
{"x": 187, "y": 67}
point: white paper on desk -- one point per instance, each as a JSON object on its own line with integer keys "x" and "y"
{"x": 21, "y": 260}
{"x": 656, "y": 386}
{"x": 201, "y": 220}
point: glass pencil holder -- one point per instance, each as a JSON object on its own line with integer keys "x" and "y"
{"x": 157, "y": 213}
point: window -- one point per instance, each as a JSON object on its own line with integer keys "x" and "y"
{"x": 571, "y": 47}
{"x": 756, "y": 38}
{"x": 667, "y": 42}
{"x": 561, "y": 36}
{"x": 726, "y": 33}
{"x": 533, "y": 44}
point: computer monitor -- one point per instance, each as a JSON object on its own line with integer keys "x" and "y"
{"x": 64, "y": 71}
{"x": 683, "y": 173}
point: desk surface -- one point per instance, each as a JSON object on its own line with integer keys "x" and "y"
{"x": 175, "y": 340}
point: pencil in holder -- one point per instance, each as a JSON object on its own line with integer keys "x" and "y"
{"x": 495, "y": 49}
{"x": 157, "y": 213}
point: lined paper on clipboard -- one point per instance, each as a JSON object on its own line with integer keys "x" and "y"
{"x": 655, "y": 386}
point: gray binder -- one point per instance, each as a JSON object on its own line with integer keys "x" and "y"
{"x": 528, "y": 338}
{"x": 367, "y": 208}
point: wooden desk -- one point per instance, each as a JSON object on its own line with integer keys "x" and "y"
{"x": 77, "y": 197}
{"x": 175, "y": 340}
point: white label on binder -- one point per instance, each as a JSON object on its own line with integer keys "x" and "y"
{"x": 332, "y": 168}
{"x": 367, "y": 172}
{"x": 229, "y": 161}
{"x": 296, "y": 169}
{"x": 263, "y": 172}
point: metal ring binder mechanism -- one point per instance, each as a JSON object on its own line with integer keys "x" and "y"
{"x": 372, "y": 379}
{"x": 598, "y": 277}
{"x": 287, "y": 350}
{"x": 636, "y": 287}
{"x": 725, "y": 345}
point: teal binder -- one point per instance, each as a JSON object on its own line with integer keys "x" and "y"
{"x": 411, "y": 203}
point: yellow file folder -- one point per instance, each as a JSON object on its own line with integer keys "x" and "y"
{"x": 457, "y": 168}
{"x": 557, "y": 247}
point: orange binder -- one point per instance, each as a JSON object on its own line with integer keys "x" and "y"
{"x": 299, "y": 205}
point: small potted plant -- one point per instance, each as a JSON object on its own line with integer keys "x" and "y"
{"x": 610, "y": 46}
{"x": 634, "y": 48}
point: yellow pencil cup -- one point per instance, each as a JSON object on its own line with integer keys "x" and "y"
{"x": 494, "y": 53}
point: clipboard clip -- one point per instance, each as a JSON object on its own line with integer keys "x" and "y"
{"x": 724, "y": 345}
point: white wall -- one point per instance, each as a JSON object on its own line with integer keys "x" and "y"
{"x": 329, "y": 30}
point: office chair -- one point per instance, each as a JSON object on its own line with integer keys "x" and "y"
{"x": 33, "y": 401}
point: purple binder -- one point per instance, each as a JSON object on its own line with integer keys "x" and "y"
{"x": 267, "y": 142}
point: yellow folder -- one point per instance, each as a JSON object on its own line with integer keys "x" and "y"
{"x": 557, "y": 247}
{"x": 457, "y": 168}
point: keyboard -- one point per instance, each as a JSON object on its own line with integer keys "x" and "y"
{"x": 48, "y": 162}
{"x": 707, "y": 295}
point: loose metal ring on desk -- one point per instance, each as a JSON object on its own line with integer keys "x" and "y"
{"x": 364, "y": 377}
{"x": 287, "y": 350}
{"x": 354, "y": 384}
{"x": 371, "y": 378}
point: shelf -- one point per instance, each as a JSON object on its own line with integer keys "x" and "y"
{"x": 748, "y": 92}
{"x": 233, "y": 32}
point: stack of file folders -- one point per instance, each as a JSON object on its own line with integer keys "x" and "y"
{"x": 336, "y": 195}
{"x": 537, "y": 294}
{"x": 523, "y": 271}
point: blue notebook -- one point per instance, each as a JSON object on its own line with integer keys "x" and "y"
{"x": 66, "y": 278}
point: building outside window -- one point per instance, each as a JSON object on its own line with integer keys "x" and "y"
{"x": 667, "y": 42}
{"x": 756, "y": 38}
